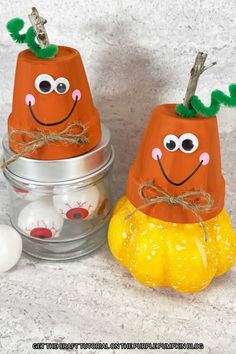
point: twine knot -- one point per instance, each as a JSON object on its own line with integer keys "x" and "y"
{"x": 172, "y": 200}
{"x": 161, "y": 196}
{"x": 39, "y": 139}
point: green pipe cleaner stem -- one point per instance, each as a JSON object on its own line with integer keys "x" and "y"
{"x": 218, "y": 98}
{"x": 15, "y": 25}
{"x": 48, "y": 52}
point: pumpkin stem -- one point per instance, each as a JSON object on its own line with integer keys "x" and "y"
{"x": 39, "y": 28}
{"x": 186, "y": 109}
{"x": 40, "y": 47}
{"x": 47, "y": 52}
{"x": 195, "y": 73}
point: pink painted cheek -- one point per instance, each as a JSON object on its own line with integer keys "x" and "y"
{"x": 76, "y": 93}
{"x": 156, "y": 153}
{"x": 29, "y": 99}
{"x": 205, "y": 158}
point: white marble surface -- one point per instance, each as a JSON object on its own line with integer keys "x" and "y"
{"x": 137, "y": 54}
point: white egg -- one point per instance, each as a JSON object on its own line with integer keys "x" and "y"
{"x": 26, "y": 194}
{"x": 77, "y": 205}
{"x": 104, "y": 201}
{"x": 39, "y": 219}
{"x": 10, "y": 247}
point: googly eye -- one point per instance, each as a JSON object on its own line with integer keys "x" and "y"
{"x": 62, "y": 85}
{"x": 188, "y": 143}
{"x": 44, "y": 83}
{"x": 171, "y": 142}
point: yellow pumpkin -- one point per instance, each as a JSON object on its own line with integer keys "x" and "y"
{"x": 160, "y": 253}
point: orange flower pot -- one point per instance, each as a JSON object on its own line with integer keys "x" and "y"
{"x": 178, "y": 155}
{"x": 49, "y": 95}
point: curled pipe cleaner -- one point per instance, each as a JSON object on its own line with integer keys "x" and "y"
{"x": 218, "y": 98}
{"x": 48, "y": 52}
{"x": 15, "y": 25}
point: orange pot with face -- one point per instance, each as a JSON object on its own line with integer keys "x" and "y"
{"x": 49, "y": 96}
{"x": 178, "y": 155}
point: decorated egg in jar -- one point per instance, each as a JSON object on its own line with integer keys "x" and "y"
{"x": 39, "y": 219}
{"x": 104, "y": 206}
{"x": 24, "y": 193}
{"x": 77, "y": 205}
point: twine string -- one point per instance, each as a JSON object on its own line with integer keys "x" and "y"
{"x": 161, "y": 196}
{"x": 39, "y": 139}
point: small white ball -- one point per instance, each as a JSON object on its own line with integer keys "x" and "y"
{"x": 10, "y": 247}
{"x": 39, "y": 219}
{"x": 78, "y": 205}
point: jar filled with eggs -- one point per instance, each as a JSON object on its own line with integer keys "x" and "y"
{"x": 61, "y": 207}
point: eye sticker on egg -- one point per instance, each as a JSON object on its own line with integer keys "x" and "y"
{"x": 39, "y": 219}
{"x": 104, "y": 205}
{"x": 25, "y": 193}
{"x": 78, "y": 205}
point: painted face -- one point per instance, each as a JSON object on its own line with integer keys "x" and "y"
{"x": 187, "y": 143}
{"x": 178, "y": 155}
{"x": 46, "y": 85}
{"x": 50, "y": 95}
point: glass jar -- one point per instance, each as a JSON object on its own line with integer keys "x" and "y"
{"x": 61, "y": 207}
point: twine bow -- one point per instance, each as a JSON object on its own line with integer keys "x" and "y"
{"x": 161, "y": 196}
{"x": 39, "y": 139}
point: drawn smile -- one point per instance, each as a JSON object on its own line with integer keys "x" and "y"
{"x": 55, "y": 123}
{"x": 184, "y": 180}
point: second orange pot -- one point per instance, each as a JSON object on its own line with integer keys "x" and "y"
{"x": 178, "y": 155}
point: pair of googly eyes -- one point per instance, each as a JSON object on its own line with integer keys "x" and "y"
{"x": 187, "y": 143}
{"x": 45, "y": 84}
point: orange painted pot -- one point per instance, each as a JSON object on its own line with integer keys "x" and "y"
{"x": 178, "y": 155}
{"x": 49, "y": 95}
